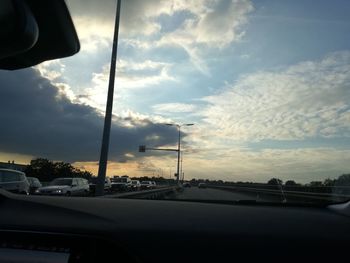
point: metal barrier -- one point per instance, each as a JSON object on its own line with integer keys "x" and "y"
{"x": 147, "y": 194}
{"x": 289, "y": 195}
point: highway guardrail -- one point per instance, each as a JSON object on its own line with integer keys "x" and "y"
{"x": 289, "y": 195}
{"x": 146, "y": 194}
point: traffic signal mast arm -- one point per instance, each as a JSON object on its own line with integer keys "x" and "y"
{"x": 143, "y": 148}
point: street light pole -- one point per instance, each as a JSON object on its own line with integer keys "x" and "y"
{"x": 179, "y": 148}
{"x": 102, "y": 167}
{"x": 178, "y": 156}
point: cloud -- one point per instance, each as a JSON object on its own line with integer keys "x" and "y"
{"x": 165, "y": 108}
{"x": 219, "y": 24}
{"x": 39, "y": 120}
{"x": 129, "y": 75}
{"x": 133, "y": 74}
{"x": 52, "y": 69}
{"x": 306, "y": 100}
{"x": 214, "y": 26}
{"x": 208, "y": 24}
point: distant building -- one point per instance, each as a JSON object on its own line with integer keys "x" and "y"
{"x": 14, "y": 166}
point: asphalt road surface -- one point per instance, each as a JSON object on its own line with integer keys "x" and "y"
{"x": 215, "y": 194}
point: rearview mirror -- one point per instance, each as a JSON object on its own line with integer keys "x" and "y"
{"x": 33, "y": 31}
{"x": 19, "y": 30}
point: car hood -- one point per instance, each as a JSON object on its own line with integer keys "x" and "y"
{"x": 54, "y": 187}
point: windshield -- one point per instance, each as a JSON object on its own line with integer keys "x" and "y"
{"x": 236, "y": 100}
{"x": 61, "y": 182}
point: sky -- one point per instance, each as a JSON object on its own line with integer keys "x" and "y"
{"x": 266, "y": 83}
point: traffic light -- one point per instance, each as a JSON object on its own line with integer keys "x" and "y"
{"x": 142, "y": 148}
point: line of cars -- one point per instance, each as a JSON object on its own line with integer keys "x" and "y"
{"x": 17, "y": 182}
{"x": 125, "y": 184}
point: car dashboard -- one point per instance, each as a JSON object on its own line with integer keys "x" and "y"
{"x": 67, "y": 229}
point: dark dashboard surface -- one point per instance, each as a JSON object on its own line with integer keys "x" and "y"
{"x": 173, "y": 231}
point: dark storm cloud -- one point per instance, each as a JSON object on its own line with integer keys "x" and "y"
{"x": 36, "y": 119}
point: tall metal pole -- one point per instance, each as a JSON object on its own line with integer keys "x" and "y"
{"x": 108, "y": 116}
{"x": 181, "y": 165}
{"x": 178, "y": 157}
{"x": 179, "y": 148}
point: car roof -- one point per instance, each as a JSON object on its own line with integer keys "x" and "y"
{"x": 11, "y": 170}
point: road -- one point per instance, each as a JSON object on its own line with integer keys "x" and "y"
{"x": 214, "y": 194}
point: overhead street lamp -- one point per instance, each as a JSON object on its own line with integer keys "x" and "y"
{"x": 179, "y": 146}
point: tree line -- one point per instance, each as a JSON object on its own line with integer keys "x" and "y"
{"x": 46, "y": 170}
{"x": 342, "y": 180}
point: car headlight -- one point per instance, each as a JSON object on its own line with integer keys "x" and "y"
{"x": 37, "y": 191}
{"x": 58, "y": 192}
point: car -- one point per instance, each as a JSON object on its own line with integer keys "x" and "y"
{"x": 34, "y": 184}
{"x": 14, "y": 181}
{"x": 135, "y": 185}
{"x": 65, "y": 187}
{"x": 146, "y": 185}
{"x": 202, "y": 185}
{"x": 120, "y": 184}
{"x": 186, "y": 184}
{"x": 154, "y": 184}
{"x": 93, "y": 182}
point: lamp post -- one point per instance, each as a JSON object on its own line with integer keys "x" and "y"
{"x": 179, "y": 146}
{"x": 102, "y": 167}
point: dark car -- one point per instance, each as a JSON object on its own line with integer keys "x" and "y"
{"x": 14, "y": 181}
{"x": 146, "y": 185}
{"x": 202, "y": 185}
{"x": 186, "y": 184}
{"x": 121, "y": 184}
{"x": 93, "y": 182}
{"x": 34, "y": 184}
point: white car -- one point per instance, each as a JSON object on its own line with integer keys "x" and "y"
{"x": 65, "y": 186}
{"x": 14, "y": 181}
{"x": 135, "y": 185}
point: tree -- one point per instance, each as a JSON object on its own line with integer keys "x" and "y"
{"x": 343, "y": 180}
{"x": 275, "y": 181}
{"x": 290, "y": 183}
{"x": 316, "y": 183}
{"x": 41, "y": 168}
{"x": 46, "y": 170}
{"x": 329, "y": 182}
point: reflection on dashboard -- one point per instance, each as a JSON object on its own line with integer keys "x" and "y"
{"x": 10, "y": 255}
